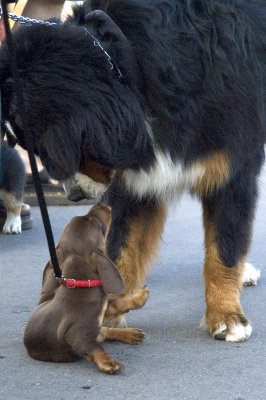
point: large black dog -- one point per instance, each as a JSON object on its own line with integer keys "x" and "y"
{"x": 171, "y": 99}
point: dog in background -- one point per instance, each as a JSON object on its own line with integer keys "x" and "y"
{"x": 172, "y": 100}
{"x": 67, "y": 324}
{"x": 12, "y": 180}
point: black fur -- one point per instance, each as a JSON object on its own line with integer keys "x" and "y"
{"x": 232, "y": 211}
{"x": 80, "y": 106}
{"x": 195, "y": 69}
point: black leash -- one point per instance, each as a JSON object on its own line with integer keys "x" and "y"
{"x": 30, "y": 148}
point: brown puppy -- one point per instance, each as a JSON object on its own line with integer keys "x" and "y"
{"x": 66, "y": 324}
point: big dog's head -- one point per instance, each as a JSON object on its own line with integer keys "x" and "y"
{"x": 85, "y": 119}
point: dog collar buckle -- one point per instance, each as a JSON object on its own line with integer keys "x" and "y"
{"x": 69, "y": 283}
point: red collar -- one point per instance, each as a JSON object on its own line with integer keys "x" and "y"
{"x": 72, "y": 283}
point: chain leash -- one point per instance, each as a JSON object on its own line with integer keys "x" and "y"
{"x": 30, "y": 21}
{"x": 25, "y": 20}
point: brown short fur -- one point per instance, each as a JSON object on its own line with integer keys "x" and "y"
{"x": 66, "y": 324}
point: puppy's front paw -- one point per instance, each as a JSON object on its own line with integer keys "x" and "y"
{"x": 132, "y": 336}
{"x": 140, "y": 298}
{"x": 231, "y": 328}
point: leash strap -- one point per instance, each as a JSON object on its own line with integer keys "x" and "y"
{"x": 29, "y": 144}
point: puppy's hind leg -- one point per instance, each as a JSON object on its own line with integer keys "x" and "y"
{"x": 77, "y": 340}
{"x": 104, "y": 362}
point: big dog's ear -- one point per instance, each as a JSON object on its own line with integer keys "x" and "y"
{"x": 109, "y": 275}
{"x": 98, "y": 4}
{"x": 115, "y": 43}
{"x": 105, "y": 26}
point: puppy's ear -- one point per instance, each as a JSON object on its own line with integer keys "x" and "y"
{"x": 109, "y": 275}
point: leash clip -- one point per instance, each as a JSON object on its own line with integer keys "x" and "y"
{"x": 66, "y": 282}
{"x": 59, "y": 279}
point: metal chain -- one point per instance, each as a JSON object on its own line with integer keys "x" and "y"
{"x": 97, "y": 43}
{"x": 30, "y": 21}
{"x": 26, "y": 20}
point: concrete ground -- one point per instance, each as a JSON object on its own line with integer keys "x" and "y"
{"x": 177, "y": 360}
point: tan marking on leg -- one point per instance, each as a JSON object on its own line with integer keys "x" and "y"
{"x": 141, "y": 246}
{"x": 222, "y": 290}
{"x": 217, "y": 167}
{"x": 12, "y": 205}
{"x": 104, "y": 361}
{"x": 125, "y": 335}
{"x": 123, "y": 305}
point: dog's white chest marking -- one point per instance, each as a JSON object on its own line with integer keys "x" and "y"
{"x": 164, "y": 179}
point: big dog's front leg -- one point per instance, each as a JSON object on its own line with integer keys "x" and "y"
{"x": 133, "y": 239}
{"x": 228, "y": 217}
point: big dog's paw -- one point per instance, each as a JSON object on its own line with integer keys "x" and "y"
{"x": 232, "y": 328}
{"x": 251, "y": 275}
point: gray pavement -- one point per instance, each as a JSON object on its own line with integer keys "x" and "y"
{"x": 177, "y": 360}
